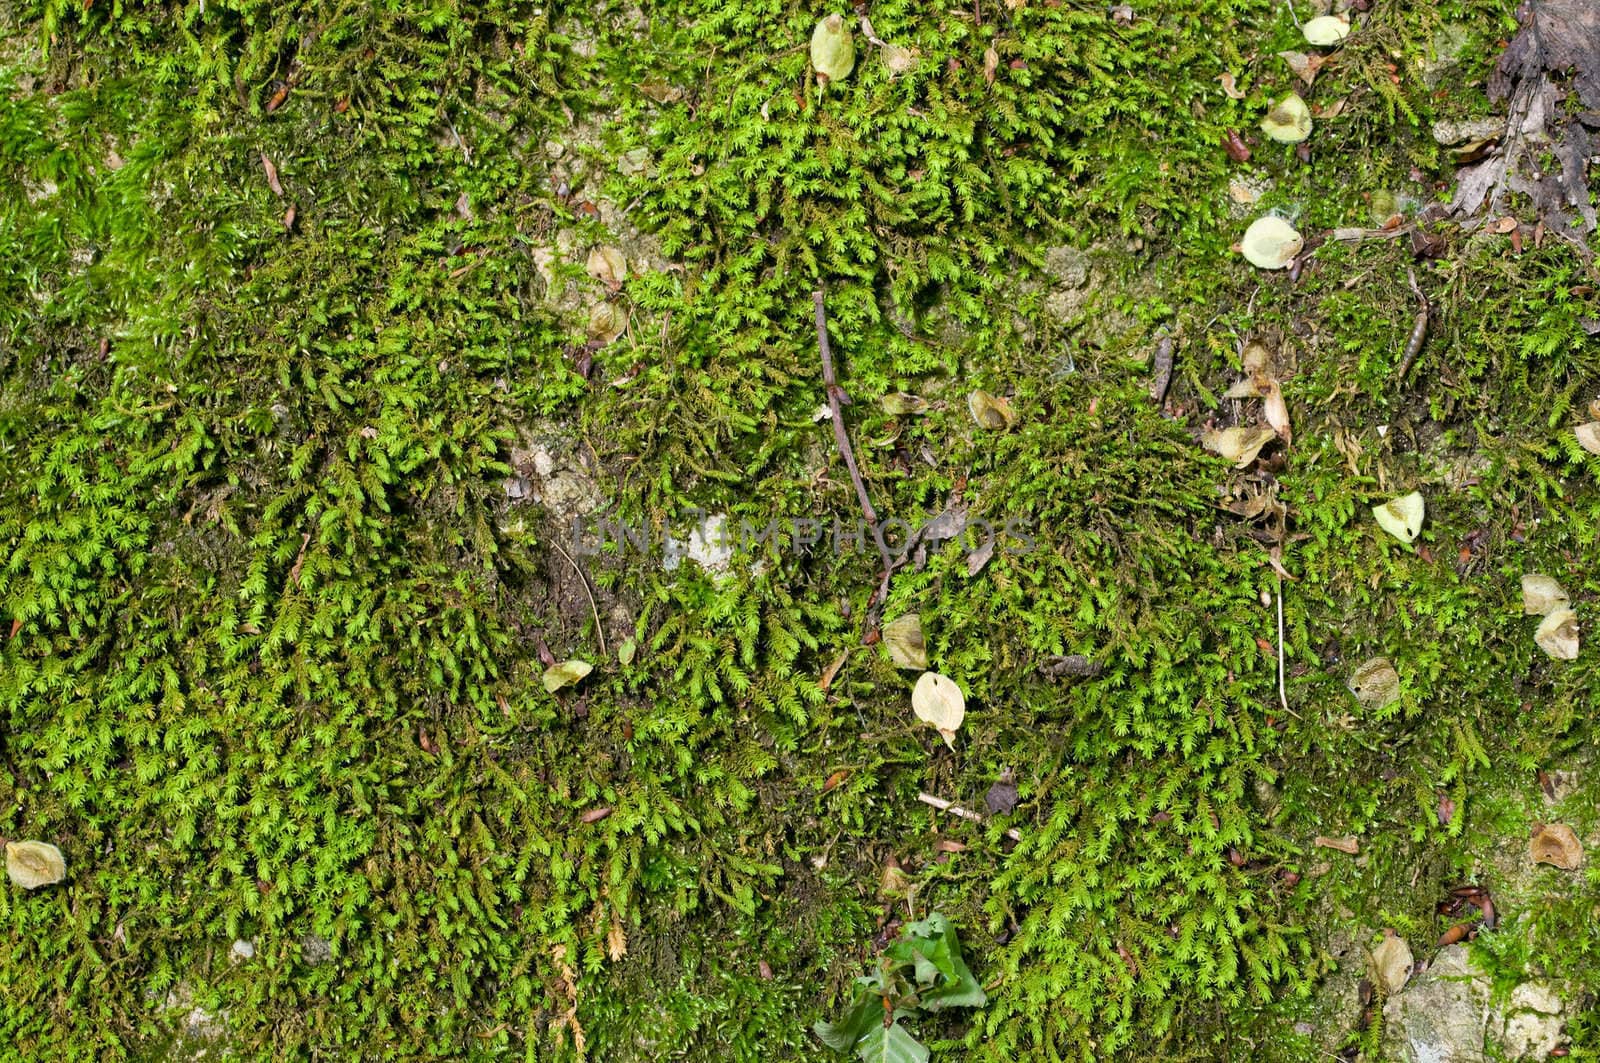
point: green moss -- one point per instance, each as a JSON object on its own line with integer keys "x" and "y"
{"x": 276, "y": 665}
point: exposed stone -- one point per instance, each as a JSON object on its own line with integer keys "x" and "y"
{"x": 1533, "y": 1026}
{"x": 1447, "y": 1016}
{"x": 546, "y": 470}
{"x": 1067, "y": 266}
{"x": 1442, "y": 1018}
{"x": 242, "y": 950}
{"x": 710, "y": 545}
{"x": 315, "y": 950}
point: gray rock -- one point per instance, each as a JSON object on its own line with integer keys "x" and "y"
{"x": 1533, "y": 1025}
{"x": 1067, "y": 266}
{"x": 1443, "y": 1017}
{"x": 710, "y": 545}
{"x": 1447, "y": 1016}
{"x": 315, "y": 950}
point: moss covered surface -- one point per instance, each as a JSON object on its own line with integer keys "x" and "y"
{"x": 275, "y": 624}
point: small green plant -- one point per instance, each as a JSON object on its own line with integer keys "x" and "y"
{"x": 921, "y": 971}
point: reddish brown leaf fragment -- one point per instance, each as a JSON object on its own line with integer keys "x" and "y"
{"x": 272, "y": 175}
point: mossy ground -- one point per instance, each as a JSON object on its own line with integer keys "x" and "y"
{"x": 275, "y": 666}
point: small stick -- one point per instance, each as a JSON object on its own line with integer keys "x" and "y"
{"x": 599, "y": 631}
{"x": 842, "y": 438}
{"x": 965, "y": 813}
{"x": 1419, "y": 330}
{"x": 1283, "y": 690}
{"x": 1162, "y": 364}
{"x": 1292, "y": 16}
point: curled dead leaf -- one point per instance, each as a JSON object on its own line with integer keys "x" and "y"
{"x": 1375, "y": 683}
{"x": 1238, "y": 445}
{"x": 1556, "y": 844}
{"x": 937, "y": 699}
{"x": 1558, "y": 634}
{"x": 989, "y": 411}
{"x": 1541, "y": 595}
{"x": 32, "y": 865}
{"x": 1229, "y": 86}
{"x": 1392, "y": 962}
{"x": 902, "y": 637}
{"x": 1588, "y": 436}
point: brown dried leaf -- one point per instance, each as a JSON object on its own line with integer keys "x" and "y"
{"x": 609, "y": 266}
{"x": 1230, "y": 87}
{"x": 1588, "y": 436}
{"x": 1304, "y": 66}
{"x": 832, "y": 670}
{"x": 272, "y": 175}
{"x": 1344, "y": 844}
{"x": 1556, "y": 844}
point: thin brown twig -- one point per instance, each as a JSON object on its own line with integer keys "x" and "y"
{"x": 599, "y": 630}
{"x": 965, "y": 813}
{"x": 842, "y": 438}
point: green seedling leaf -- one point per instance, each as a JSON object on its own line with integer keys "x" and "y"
{"x": 931, "y": 948}
{"x": 565, "y": 674}
{"x": 891, "y": 1044}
